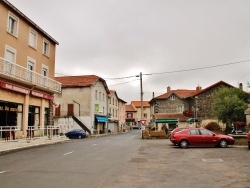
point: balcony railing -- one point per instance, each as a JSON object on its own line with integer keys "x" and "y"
{"x": 18, "y": 73}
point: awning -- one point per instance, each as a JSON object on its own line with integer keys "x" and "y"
{"x": 166, "y": 121}
{"x": 191, "y": 120}
{"x": 101, "y": 119}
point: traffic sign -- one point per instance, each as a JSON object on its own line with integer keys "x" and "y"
{"x": 143, "y": 122}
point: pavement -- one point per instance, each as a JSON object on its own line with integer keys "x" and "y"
{"x": 24, "y": 143}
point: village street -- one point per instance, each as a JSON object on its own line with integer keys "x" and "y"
{"x": 125, "y": 160}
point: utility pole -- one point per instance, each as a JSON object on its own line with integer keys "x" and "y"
{"x": 141, "y": 96}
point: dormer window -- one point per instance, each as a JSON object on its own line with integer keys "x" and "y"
{"x": 172, "y": 97}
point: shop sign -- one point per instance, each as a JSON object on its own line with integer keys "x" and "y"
{"x": 14, "y": 88}
{"x": 25, "y": 91}
{"x": 42, "y": 95}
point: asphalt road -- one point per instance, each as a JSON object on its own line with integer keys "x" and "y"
{"x": 125, "y": 160}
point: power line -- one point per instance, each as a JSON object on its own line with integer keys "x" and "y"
{"x": 199, "y": 68}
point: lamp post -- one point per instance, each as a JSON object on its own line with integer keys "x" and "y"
{"x": 79, "y": 106}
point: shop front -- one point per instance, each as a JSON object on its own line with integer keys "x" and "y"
{"x": 23, "y": 112}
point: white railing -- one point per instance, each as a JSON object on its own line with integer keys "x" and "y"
{"x": 49, "y": 131}
{"x": 21, "y": 73}
{"x": 9, "y": 132}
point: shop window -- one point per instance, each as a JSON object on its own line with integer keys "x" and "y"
{"x": 46, "y": 116}
{"x": 33, "y": 118}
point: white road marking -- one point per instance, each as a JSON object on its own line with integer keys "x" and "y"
{"x": 2, "y": 172}
{"x": 94, "y": 144}
{"x": 68, "y": 153}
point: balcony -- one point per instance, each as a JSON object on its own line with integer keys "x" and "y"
{"x": 15, "y": 72}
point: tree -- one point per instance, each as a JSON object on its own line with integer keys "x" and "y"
{"x": 229, "y": 105}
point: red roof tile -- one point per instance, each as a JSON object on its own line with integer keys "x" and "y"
{"x": 130, "y": 108}
{"x": 181, "y": 93}
{"x": 137, "y": 104}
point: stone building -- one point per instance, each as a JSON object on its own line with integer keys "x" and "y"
{"x": 184, "y": 107}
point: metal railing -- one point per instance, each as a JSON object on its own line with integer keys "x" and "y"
{"x": 9, "y": 132}
{"x": 18, "y": 72}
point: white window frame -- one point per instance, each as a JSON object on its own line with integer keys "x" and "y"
{"x": 44, "y": 77}
{"x": 9, "y": 68}
{"x": 33, "y": 33}
{"x": 172, "y": 97}
{"x": 10, "y": 30}
{"x": 30, "y": 63}
{"x": 180, "y": 109}
{"x": 46, "y": 47}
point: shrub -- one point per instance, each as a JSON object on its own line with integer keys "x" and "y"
{"x": 212, "y": 126}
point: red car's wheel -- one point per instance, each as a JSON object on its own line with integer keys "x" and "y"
{"x": 249, "y": 145}
{"x": 223, "y": 143}
{"x": 183, "y": 144}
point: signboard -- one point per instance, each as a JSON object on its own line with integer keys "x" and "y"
{"x": 143, "y": 122}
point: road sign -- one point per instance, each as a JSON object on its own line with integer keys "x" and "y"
{"x": 143, "y": 122}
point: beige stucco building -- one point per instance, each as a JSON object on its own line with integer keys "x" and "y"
{"x": 27, "y": 66}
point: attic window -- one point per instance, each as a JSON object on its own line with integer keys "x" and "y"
{"x": 172, "y": 97}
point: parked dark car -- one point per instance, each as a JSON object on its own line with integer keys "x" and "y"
{"x": 248, "y": 139}
{"x": 76, "y": 133}
{"x": 201, "y": 137}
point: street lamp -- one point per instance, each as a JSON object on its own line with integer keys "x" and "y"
{"x": 79, "y": 106}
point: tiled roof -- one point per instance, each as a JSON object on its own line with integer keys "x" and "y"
{"x": 137, "y": 104}
{"x": 216, "y": 84}
{"x": 181, "y": 117}
{"x": 76, "y": 81}
{"x": 181, "y": 93}
{"x": 130, "y": 108}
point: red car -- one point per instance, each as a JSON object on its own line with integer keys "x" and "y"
{"x": 201, "y": 137}
{"x": 248, "y": 139}
{"x": 177, "y": 129}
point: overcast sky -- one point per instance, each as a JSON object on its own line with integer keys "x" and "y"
{"x": 176, "y": 43}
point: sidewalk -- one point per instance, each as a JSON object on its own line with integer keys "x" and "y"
{"x": 14, "y": 145}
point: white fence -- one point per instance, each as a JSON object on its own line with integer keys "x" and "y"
{"x": 10, "y": 133}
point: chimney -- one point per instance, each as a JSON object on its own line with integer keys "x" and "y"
{"x": 153, "y": 95}
{"x": 198, "y": 89}
{"x": 168, "y": 89}
{"x": 241, "y": 86}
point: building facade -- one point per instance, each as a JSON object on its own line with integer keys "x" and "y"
{"x": 184, "y": 107}
{"x": 27, "y": 66}
{"x": 83, "y": 103}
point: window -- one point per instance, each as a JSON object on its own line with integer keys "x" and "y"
{"x": 46, "y": 47}
{"x": 46, "y": 116}
{"x": 31, "y": 68}
{"x": 206, "y": 132}
{"x": 180, "y": 109}
{"x": 130, "y": 115}
{"x": 32, "y": 38}
{"x": 145, "y": 115}
{"x": 12, "y": 24}
{"x": 10, "y": 57}
{"x": 44, "y": 74}
{"x": 100, "y": 94}
{"x": 95, "y": 94}
{"x": 172, "y": 97}
{"x": 194, "y": 132}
